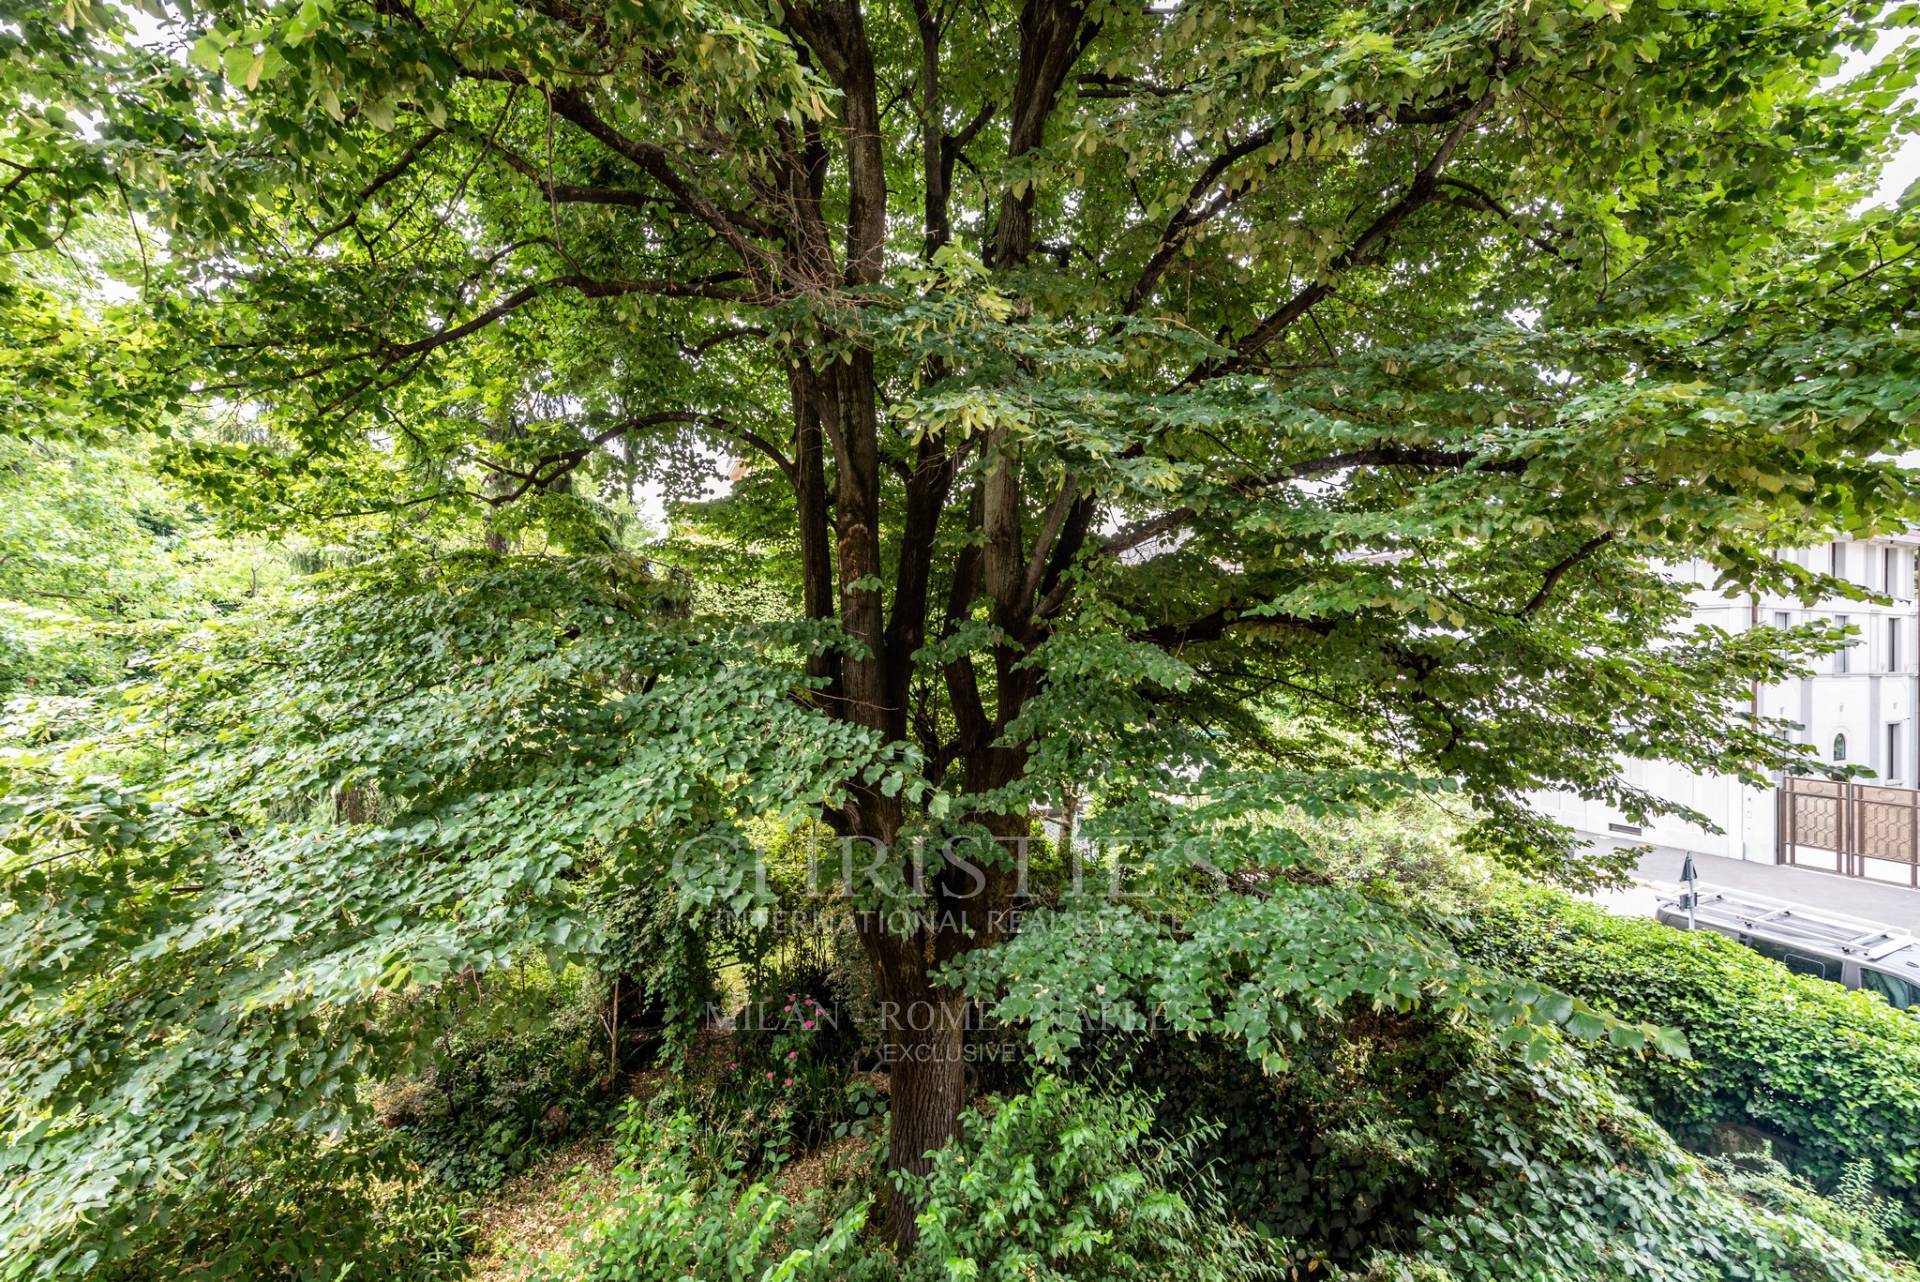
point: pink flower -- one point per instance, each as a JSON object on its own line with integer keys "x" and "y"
{"x": 731, "y": 1067}
{"x": 788, "y": 1008}
{"x": 792, "y": 1055}
{"x": 789, "y": 1081}
{"x": 806, "y": 1023}
{"x": 769, "y": 1077}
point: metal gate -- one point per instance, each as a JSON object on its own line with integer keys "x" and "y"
{"x": 1856, "y": 829}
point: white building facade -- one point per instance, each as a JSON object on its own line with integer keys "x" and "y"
{"x": 1858, "y": 708}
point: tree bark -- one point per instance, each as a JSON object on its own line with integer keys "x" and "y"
{"x": 835, "y": 399}
{"x": 811, "y": 517}
{"x": 926, "y": 1039}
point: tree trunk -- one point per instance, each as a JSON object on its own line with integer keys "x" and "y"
{"x": 926, "y": 1040}
{"x": 923, "y": 1023}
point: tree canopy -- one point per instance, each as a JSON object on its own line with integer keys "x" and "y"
{"x": 1173, "y": 412}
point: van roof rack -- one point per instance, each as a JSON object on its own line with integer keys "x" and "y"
{"x": 1791, "y": 923}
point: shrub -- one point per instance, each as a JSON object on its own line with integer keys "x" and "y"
{"x": 677, "y": 1216}
{"x": 293, "y": 1207}
{"x": 1834, "y": 1074}
{"x": 1855, "y": 1213}
{"x": 1062, "y": 1182}
{"x": 1402, "y": 1147}
{"x": 1510, "y": 1165}
{"x": 786, "y": 1089}
{"x": 653, "y": 959}
{"x": 1068, "y": 1182}
{"x": 498, "y": 1095}
{"x": 1341, "y": 1154}
{"x": 799, "y": 1008}
{"x": 1574, "y": 1184}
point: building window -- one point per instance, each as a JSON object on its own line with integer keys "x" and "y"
{"x": 1836, "y": 560}
{"x": 1782, "y": 620}
{"x": 1841, "y": 656}
{"x": 1839, "y": 747}
{"x": 1893, "y": 644}
{"x": 1893, "y": 752}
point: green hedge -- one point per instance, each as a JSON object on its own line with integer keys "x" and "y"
{"x": 1833, "y": 1073}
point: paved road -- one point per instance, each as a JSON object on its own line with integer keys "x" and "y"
{"x": 1850, "y": 896}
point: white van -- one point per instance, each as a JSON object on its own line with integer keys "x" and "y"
{"x": 1859, "y": 954}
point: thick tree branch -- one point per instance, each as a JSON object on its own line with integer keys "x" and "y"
{"x": 710, "y": 287}
{"x": 1364, "y": 248}
{"x": 1558, "y": 571}
{"x": 1214, "y": 625}
{"x": 1053, "y": 33}
{"x": 1506, "y": 215}
{"x": 812, "y": 519}
{"x": 1050, "y": 530}
{"x": 731, "y": 334}
{"x": 1378, "y": 456}
{"x": 928, "y": 484}
{"x": 837, "y": 35}
{"x": 761, "y": 443}
{"x": 651, "y": 158}
{"x": 564, "y": 193}
{"x": 936, "y": 227}
{"x": 963, "y": 687}
{"x": 1193, "y": 212}
{"x": 392, "y": 173}
{"x": 655, "y": 161}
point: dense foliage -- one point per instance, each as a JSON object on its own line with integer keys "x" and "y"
{"x": 101, "y": 562}
{"x": 1498, "y": 1168}
{"x": 675, "y": 1216}
{"x": 1832, "y": 1074}
{"x": 495, "y": 1097}
{"x": 178, "y": 986}
{"x": 1583, "y": 1186}
{"x": 1059, "y": 1183}
{"x": 1181, "y": 417}
{"x": 288, "y": 1207}
{"x": 1062, "y": 1183}
{"x": 1396, "y": 1144}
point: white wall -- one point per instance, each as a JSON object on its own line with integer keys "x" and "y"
{"x": 1860, "y": 697}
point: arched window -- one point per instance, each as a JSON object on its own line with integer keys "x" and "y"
{"x": 1839, "y": 747}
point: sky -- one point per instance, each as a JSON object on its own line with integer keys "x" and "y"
{"x": 1905, "y": 167}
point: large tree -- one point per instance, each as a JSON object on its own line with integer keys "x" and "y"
{"x": 1252, "y": 401}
